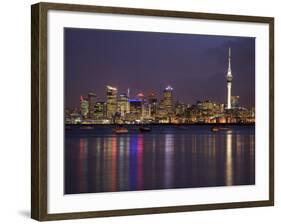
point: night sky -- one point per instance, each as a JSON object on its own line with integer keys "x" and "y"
{"x": 194, "y": 65}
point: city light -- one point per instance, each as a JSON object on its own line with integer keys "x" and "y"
{"x": 111, "y": 88}
{"x": 169, "y": 88}
{"x": 121, "y": 109}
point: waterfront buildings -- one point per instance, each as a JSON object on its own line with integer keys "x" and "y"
{"x": 142, "y": 108}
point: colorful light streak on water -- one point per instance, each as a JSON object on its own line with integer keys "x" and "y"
{"x": 99, "y": 161}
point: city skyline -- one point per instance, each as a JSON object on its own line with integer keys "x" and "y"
{"x": 145, "y": 97}
{"x": 123, "y": 109}
{"x": 147, "y": 111}
{"x": 120, "y": 61}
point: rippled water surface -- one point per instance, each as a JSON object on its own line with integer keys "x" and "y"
{"x": 97, "y": 160}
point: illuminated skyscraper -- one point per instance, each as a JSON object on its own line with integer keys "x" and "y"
{"x": 229, "y": 80}
{"x": 135, "y": 106}
{"x": 146, "y": 110}
{"x": 123, "y": 105}
{"x": 180, "y": 108}
{"x": 135, "y": 109}
{"x": 161, "y": 110}
{"x": 234, "y": 101}
{"x": 92, "y": 98}
{"x": 84, "y": 107}
{"x": 100, "y": 110}
{"x": 152, "y": 100}
{"x": 168, "y": 100}
{"x": 111, "y": 102}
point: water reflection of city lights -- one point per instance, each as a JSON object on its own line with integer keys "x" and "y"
{"x": 229, "y": 165}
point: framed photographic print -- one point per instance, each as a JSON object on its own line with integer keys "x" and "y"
{"x": 139, "y": 111}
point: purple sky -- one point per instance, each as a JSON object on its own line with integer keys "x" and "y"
{"x": 194, "y": 65}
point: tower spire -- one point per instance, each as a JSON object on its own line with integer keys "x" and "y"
{"x": 229, "y": 62}
{"x": 229, "y": 80}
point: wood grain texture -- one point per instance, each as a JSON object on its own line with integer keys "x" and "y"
{"x": 38, "y": 112}
{"x": 271, "y": 111}
{"x": 35, "y": 113}
{"x": 39, "y": 203}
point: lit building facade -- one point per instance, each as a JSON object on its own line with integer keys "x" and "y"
{"x": 100, "y": 110}
{"x": 146, "y": 111}
{"x": 168, "y": 100}
{"x": 205, "y": 105}
{"x": 123, "y": 106}
{"x": 135, "y": 106}
{"x": 180, "y": 108}
{"x": 234, "y": 101}
{"x": 111, "y": 101}
{"x": 123, "y": 110}
{"x": 84, "y": 107}
{"x": 135, "y": 109}
{"x": 152, "y": 100}
{"x": 92, "y": 98}
{"x": 161, "y": 110}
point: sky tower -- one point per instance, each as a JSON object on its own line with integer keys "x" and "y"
{"x": 229, "y": 80}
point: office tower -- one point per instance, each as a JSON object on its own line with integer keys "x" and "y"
{"x": 168, "y": 100}
{"x": 99, "y": 110}
{"x": 84, "y": 107}
{"x": 146, "y": 110}
{"x": 92, "y": 98}
{"x": 135, "y": 106}
{"x": 161, "y": 110}
{"x": 180, "y": 108}
{"x": 152, "y": 100}
{"x": 123, "y": 105}
{"x": 111, "y": 101}
{"x": 135, "y": 109}
{"x": 234, "y": 101}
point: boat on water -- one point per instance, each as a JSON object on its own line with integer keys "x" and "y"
{"x": 120, "y": 130}
{"x": 145, "y": 129}
{"x": 215, "y": 129}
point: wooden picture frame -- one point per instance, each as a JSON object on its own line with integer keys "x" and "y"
{"x": 39, "y": 105}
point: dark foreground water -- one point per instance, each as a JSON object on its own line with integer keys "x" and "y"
{"x": 96, "y": 160}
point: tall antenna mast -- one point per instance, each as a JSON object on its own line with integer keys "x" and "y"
{"x": 229, "y": 61}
